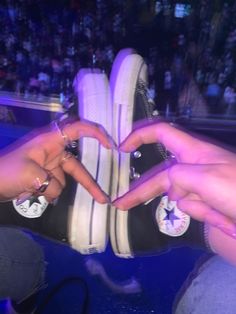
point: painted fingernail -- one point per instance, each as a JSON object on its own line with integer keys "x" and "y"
{"x": 230, "y": 230}
{"x": 24, "y": 197}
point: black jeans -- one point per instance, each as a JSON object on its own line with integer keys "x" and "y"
{"x": 22, "y": 265}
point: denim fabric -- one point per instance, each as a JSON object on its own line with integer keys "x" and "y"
{"x": 22, "y": 265}
{"x": 211, "y": 289}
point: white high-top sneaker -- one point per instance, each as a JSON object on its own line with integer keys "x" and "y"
{"x": 144, "y": 229}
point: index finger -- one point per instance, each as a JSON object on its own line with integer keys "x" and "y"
{"x": 144, "y": 191}
{"x": 74, "y": 168}
{"x": 175, "y": 141}
{"x": 83, "y": 128}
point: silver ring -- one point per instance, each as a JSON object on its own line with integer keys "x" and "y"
{"x": 69, "y": 146}
{"x": 62, "y": 133}
{"x": 43, "y": 187}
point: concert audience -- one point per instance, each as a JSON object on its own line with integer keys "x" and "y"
{"x": 43, "y": 45}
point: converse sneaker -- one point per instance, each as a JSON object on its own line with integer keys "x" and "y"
{"x": 76, "y": 219}
{"x": 144, "y": 229}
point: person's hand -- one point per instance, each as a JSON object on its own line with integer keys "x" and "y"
{"x": 42, "y": 161}
{"x": 203, "y": 181}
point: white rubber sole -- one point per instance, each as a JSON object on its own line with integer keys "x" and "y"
{"x": 127, "y": 68}
{"x": 89, "y": 219}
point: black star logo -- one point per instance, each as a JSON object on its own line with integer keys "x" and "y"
{"x": 34, "y": 199}
{"x": 170, "y": 215}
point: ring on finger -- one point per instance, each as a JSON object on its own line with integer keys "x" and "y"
{"x": 42, "y": 187}
{"x": 70, "y": 146}
{"x": 65, "y": 137}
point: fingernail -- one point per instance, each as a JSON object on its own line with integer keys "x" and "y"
{"x": 127, "y": 149}
{"x": 117, "y": 204}
{"x": 113, "y": 145}
{"x": 105, "y": 199}
{"x": 230, "y": 230}
{"x": 24, "y": 197}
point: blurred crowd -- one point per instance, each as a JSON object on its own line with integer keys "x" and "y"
{"x": 190, "y": 48}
